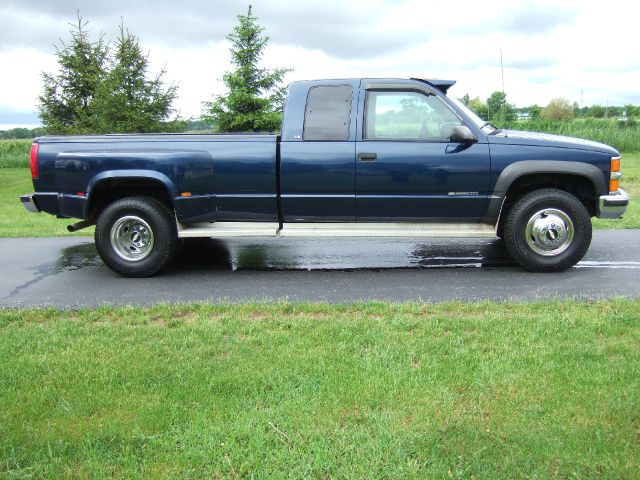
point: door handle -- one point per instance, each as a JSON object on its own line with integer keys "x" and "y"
{"x": 367, "y": 157}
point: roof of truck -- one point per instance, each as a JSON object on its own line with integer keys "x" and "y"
{"x": 440, "y": 84}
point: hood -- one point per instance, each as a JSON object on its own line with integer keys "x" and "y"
{"x": 518, "y": 137}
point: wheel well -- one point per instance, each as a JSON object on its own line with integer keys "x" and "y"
{"x": 581, "y": 187}
{"x": 108, "y": 191}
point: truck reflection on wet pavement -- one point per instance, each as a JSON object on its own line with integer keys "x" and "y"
{"x": 312, "y": 254}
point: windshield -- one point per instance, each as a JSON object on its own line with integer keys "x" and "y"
{"x": 486, "y": 127}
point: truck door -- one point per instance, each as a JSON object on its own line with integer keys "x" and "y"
{"x": 407, "y": 169}
{"x": 317, "y": 160}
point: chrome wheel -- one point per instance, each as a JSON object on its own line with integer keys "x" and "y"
{"x": 549, "y": 232}
{"x": 132, "y": 238}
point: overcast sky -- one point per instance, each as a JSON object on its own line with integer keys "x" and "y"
{"x": 583, "y": 50}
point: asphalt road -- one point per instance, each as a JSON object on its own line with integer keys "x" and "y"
{"x": 67, "y": 272}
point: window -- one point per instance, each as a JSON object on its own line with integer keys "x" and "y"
{"x": 328, "y": 113}
{"x": 408, "y": 116}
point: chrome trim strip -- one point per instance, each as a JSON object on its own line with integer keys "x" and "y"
{"x": 244, "y": 195}
{"x": 317, "y": 195}
{"x": 616, "y": 175}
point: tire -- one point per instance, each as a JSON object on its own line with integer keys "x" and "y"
{"x": 547, "y": 230}
{"x": 136, "y": 236}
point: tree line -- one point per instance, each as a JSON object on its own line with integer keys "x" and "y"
{"x": 106, "y": 87}
{"x": 497, "y": 110}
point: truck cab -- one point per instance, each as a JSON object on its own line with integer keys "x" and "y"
{"x": 380, "y": 151}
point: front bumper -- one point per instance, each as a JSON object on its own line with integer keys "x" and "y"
{"x": 29, "y": 203}
{"x": 613, "y": 205}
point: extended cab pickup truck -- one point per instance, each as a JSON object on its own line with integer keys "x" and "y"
{"x": 355, "y": 157}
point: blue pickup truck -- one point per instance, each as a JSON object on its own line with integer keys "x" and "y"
{"x": 355, "y": 157}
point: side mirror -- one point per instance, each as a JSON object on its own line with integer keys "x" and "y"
{"x": 462, "y": 134}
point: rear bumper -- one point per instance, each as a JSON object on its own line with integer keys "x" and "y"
{"x": 613, "y": 205}
{"x": 29, "y": 203}
{"x": 60, "y": 204}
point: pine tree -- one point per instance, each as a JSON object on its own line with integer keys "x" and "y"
{"x": 67, "y": 102}
{"x": 126, "y": 100}
{"x": 99, "y": 89}
{"x": 256, "y": 97}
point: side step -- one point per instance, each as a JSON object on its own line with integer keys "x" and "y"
{"x": 270, "y": 229}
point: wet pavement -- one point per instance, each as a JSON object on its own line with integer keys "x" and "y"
{"x": 67, "y": 272}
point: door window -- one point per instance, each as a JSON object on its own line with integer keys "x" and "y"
{"x": 408, "y": 116}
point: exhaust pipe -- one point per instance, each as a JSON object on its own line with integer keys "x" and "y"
{"x": 80, "y": 225}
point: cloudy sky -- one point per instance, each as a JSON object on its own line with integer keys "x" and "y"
{"x": 584, "y": 50}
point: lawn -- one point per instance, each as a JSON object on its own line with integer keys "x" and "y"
{"x": 375, "y": 390}
{"x": 15, "y": 221}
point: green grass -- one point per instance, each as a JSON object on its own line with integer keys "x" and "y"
{"x": 376, "y": 390}
{"x": 14, "y": 153}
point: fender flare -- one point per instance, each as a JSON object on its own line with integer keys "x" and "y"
{"x": 531, "y": 167}
{"x": 156, "y": 176}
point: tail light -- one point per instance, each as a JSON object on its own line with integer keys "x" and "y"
{"x": 33, "y": 161}
{"x": 614, "y": 178}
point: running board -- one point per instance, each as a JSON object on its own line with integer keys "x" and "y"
{"x": 228, "y": 229}
{"x": 269, "y": 229}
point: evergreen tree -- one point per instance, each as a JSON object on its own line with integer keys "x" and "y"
{"x": 67, "y": 102}
{"x": 99, "y": 89}
{"x": 256, "y": 98}
{"x": 126, "y": 100}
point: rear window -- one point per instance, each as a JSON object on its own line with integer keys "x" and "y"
{"x": 328, "y": 113}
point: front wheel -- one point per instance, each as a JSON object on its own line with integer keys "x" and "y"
{"x": 547, "y": 230}
{"x": 136, "y": 236}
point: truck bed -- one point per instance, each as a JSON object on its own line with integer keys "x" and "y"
{"x": 209, "y": 177}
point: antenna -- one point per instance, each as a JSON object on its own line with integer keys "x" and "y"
{"x": 504, "y": 95}
{"x": 502, "y": 72}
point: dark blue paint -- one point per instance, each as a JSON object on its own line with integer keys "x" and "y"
{"x": 230, "y": 177}
{"x": 235, "y": 177}
{"x": 413, "y": 181}
{"x": 318, "y": 181}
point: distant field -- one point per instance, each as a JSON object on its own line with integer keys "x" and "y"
{"x": 625, "y": 138}
{"x": 375, "y": 390}
{"x": 14, "y": 153}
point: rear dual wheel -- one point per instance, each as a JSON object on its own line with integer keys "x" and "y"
{"x": 547, "y": 230}
{"x": 136, "y": 236}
